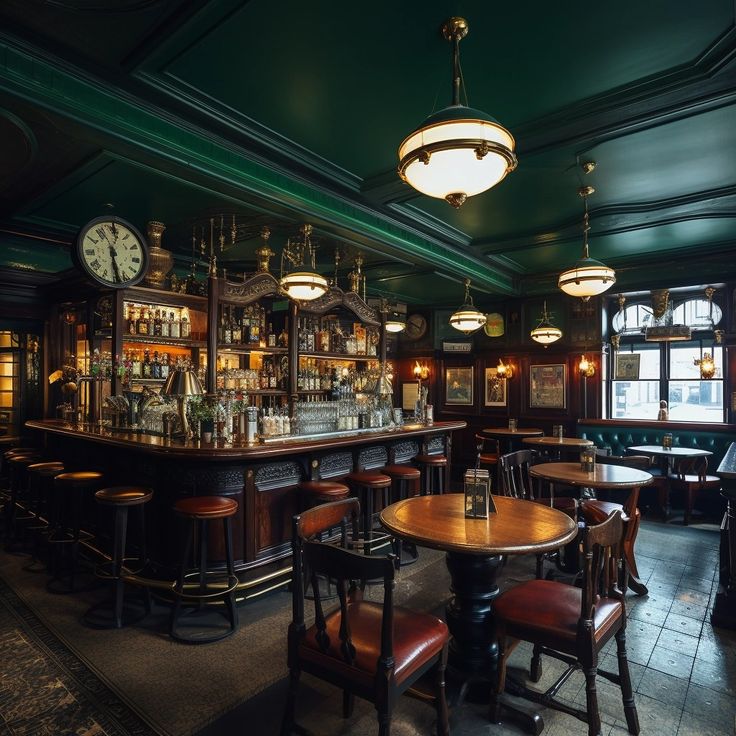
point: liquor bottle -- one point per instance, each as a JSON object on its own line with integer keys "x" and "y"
{"x": 147, "y": 370}
{"x": 174, "y": 326}
{"x": 156, "y": 366}
{"x": 310, "y": 336}
{"x": 135, "y": 364}
{"x": 164, "y": 365}
{"x": 165, "y": 326}
{"x": 244, "y": 327}
{"x": 272, "y": 381}
{"x": 271, "y": 336}
{"x": 237, "y": 329}
{"x": 143, "y": 322}
{"x": 255, "y": 328}
{"x": 283, "y": 340}
{"x": 151, "y": 321}
{"x": 186, "y": 325}
{"x": 132, "y": 319}
{"x": 227, "y": 327}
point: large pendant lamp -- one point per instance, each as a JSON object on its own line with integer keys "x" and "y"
{"x": 467, "y": 318}
{"x": 458, "y": 151}
{"x": 301, "y": 284}
{"x": 587, "y": 277}
{"x": 545, "y": 333}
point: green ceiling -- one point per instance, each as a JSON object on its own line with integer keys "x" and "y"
{"x": 281, "y": 113}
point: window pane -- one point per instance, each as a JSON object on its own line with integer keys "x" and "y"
{"x": 700, "y": 401}
{"x": 697, "y": 314}
{"x": 634, "y": 318}
{"x": 684, "y": 355}
{"x": 648, "y": 360}
{"x": 635, "y": 399}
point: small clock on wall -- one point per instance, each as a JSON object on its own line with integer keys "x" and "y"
{"x": 416, "y": 328}
{"x": 111, "y": 252}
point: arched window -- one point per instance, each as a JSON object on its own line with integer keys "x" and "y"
{"x": 633, "y": 319}
{"x": 697, "y": 313}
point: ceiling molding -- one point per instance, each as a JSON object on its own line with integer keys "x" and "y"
{"x": 615, "y": 219}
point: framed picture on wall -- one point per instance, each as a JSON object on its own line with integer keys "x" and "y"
{"x": 627, "y": 366}
{"x": 459, "y": 386}
{"x": 495, "y": 389}
{"x": 547, "y": 386}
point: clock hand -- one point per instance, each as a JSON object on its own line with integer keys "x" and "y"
{"x": 115, "y": 269}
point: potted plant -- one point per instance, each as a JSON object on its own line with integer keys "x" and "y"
{"x": 202, "y": 414}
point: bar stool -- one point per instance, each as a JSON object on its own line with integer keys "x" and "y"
{"x": 432, "y": 468}
{"x": 17, "y": 469}
{"x": 109, "y": 614}
{"x": 365, "y": 484}
{"x": 314, "y": 492}
{"x": 197, "y": 511}
{"x": 40, "y": 486}
{"x": 68, "y": 498}
{"x": 405, "y": 479}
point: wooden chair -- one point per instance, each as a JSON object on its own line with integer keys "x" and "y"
{"x": 370, "y": 649}
{"x": 573, "y": 625}
{"x": 595, "y": 511}
{"x": 515, "y": 481}
{"x": 691, "y": 477}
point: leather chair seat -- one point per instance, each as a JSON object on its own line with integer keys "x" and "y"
{"x": 124, "y": 495}
{"x": 488, "y": 458}
{"x": 596, "y": 512}
{"x": 431, "y": 459}
{"x": 546, "y": 611}
{"x": 417, "y": 638}
{"x": 709, "y": 481}
{"x": 325, "y": 488}
{"x": 370, "y": 479}
{"x": 206, "y": 507}
{"x": 401, "y": 472}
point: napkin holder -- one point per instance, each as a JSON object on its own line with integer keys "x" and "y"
{"x": 477, "y": 489}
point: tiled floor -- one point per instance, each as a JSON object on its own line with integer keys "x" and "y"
{"x": 683, "y": 670}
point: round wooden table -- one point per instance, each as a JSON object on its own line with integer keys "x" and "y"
{"x": 667, "y": 458}
{"x": 604, "y": 477}
{"x": 475, "y": 549}
{"x": 512, "y": 436}
{"x": 558, "y": 445}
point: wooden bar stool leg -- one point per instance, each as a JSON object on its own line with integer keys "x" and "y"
{"x": 202, "y": 558}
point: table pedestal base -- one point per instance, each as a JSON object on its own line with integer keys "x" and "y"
{"x": 473, "y": 651}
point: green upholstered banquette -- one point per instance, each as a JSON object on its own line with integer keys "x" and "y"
{"x": 618, "y": 434}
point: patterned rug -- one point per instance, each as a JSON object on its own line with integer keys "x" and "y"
{"x": 46, "y": 690}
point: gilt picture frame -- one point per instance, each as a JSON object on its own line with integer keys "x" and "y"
{"x": 495, "y": 389}
{"x": 547, "y": 386}
{"x": 459, "y": 386}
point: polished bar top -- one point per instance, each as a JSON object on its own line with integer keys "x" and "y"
{"x": 157, "y": 445}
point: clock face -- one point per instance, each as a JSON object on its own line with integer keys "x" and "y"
{"x": 416, "y": 327}
{"x": 112, "y": 252}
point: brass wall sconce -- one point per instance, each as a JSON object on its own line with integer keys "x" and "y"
{"x": 504, "y": 370}
{"x": 707, "y": 366}
{"x": 421, "y": 372}
{"x": 586, "y": 367}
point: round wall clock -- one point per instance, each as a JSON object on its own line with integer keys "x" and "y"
{"x": 112, "y": 252}
{"x": 416, "y": 327}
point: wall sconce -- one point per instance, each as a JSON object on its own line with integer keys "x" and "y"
{"x": 707, "y": 366}
{"x": 421, "y": 372}
{"x": 586, "y": 367}
{"x": 718, "y": 336}
{"x": 504, "y": 370}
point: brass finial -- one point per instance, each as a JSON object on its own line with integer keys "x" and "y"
{"x": 264, "y": 252}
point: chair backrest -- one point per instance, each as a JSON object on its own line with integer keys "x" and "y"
{"x": 603, "y": 565}
{"x": 344, "y": 567}
{"x": 515, "y": 478}
{"x": 641, "y": 462}
{"x": 486, "y": 444}
{"x": 692, "y": 466}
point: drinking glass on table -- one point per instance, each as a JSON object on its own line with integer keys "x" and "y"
{"x": 512, "y": 425}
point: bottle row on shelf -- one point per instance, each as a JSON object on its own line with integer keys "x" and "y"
{"x": 272, "y": 374}
{"x": 329, "y": 335}
{"x": 147, "y": 320}
{"x": 248, "y": 326}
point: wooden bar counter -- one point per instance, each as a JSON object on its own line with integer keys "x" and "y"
{"x": 263, "y": 478}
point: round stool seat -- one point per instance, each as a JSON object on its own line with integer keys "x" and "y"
{"x": 46, "y": 469}
{"x": 327, "y": 488}
{"x": 23, "y": 461}
{"x": 206, "y": 507}
{"x": 407, "y": 472}
{"x": 124, "y": 495}
{"x": 20, "y": 451}
{"x": 431, "y": 459}
{"x": 369, "y": 479}
{"x": 78, "y": 478}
